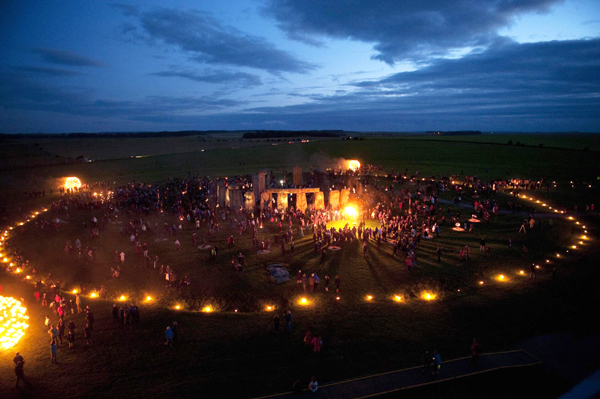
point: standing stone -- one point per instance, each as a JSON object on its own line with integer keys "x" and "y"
{"x": 282, "y": 201}
{"x": 319, "y": 201}
{"x": 265, "y": 200}
{"x": 344, "y": 196}
{"x": 297, "y": 178}
{"x": 249, "y": 202}
{"x": 221, "y": 193}
{"x": 334, "y": 199}
{"x": 301, "y": 203}
{"x": 262, "y": 181}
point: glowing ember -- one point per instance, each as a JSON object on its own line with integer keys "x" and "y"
{"x": 337, "y": 298}
{"x": 481, "y": 283}
{"x": 72, "y": 182}
{"x": 350, "y": 211}
{"x": 13, "y": 322}
{"x": 207, "y": 309}
{"x": 354, "y": 165}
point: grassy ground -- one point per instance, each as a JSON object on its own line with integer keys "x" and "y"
{"x": 228, "y": 354}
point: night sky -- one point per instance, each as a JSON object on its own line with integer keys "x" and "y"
{"x": 410, "y": 65}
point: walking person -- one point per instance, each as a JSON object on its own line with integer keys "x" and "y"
{"x": 20, "y": 373}
{"x": 338, "y": 282}
{"x": 437, "y": 363}
{"x": 475, "y": 352}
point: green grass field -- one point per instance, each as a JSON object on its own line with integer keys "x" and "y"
{"x": 237, "y": 354}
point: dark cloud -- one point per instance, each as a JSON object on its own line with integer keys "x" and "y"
{"x": 206, "y": 40}
{"x": 64, "y": 57}
{"x": 241, "y": 79}
{"x": 46, "y": 71}
{"x": 402, "y": 30}
{"x": 18, "y": 92}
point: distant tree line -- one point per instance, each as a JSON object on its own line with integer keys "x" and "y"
{"x": 265, "y": 134}
{"x": 456, "y": 133}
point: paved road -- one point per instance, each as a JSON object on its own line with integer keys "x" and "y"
{"x": 408, "y": 378}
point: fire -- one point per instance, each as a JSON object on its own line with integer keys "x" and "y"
{"x": 148, "y": 298}
{"x": 350, "y": 211}
{"x": 397, "y": 298}
{"x": 369, "y": 297}
{"x": 178, "y": 307}
{"x": 270, "y": 308}
{"x": 207, "y": 309}
{"x": 428, "y": 296}
{"x": 501, "y": 278}
{"x": 13, "y": 322}
{"x": 72, "y": 182}
{"x": 93, "y": 295}
{"x": 122, "y": 298}
{"x": 354, "y": 165}
{"x": 303, "y": 301}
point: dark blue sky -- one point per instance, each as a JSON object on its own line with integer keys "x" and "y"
{"x": 411, "y": 65}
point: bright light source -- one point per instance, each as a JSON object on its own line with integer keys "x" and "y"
{"x": 303, "y": 301}
{"x": 369, "y": 297}
{"x": 350, "y": 211}
{"x": 93, "y": 295}
{"x": 72, "y": 182}
{"x": 397, "y": 298}
{"x": 177, "y": 307}
{"x": 148, "y": 298}
{"x": 13, "y": 322}
{"x": 354, "y": 165}
{"x": 428, "y": 296}
{"x": 207, "y": 309}
{"x": 122, "y": 298}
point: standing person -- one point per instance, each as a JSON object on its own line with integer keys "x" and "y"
{"x": 276, "y": 323}
{"x": 53, "y": 347}
{"x": 338, "y": 282}
{"x": 313, "y": 385}
{"x": 87, "y": 334}
{"x": 169, "y": 336}
{"x": 311, "y": 282}
{"x": 89, "y": 318}
{"x": 326, "y": 283}
{"x": 317, "y": 343}
{"x": 532, "y": 271}
{"x": 71, "y": 338}
{"x": 175, "y": 329}
{"x": 61, "y": 330}
{"x": 426, "y": 361}
{"x": 78, "y": 303}
{"x": 482, "y": 245}
{"x": 475, "y": 351}
{"x": 323, "y": 256}
{"x": 115, "y": 313}
{"x": 437, "y": 363}
{"x": 288, "y": 321}
{"x": 438, "y": 253}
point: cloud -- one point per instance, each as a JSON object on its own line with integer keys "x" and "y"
{"x": 18, "y": 92}
{"x": 46, "y": 71}
{"x": 205, "y": 40}
{"x": 215, "y": 76}
{"x": 402, "y": 30}
{"x": 64, "y": 57}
